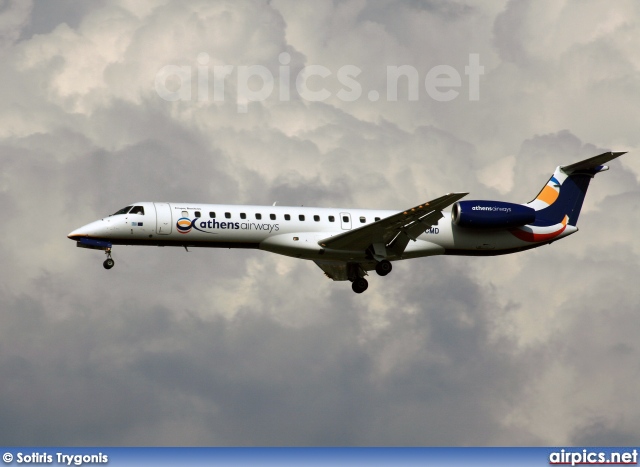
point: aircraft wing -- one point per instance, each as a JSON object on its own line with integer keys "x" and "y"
{"x": 392, "y": 234}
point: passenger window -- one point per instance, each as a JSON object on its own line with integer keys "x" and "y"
{"x": 137, "y": 210}
{"x": 185, "y": 214}
{"x": 122, "y": 211}
{"x": 332, "y": 219}
{"x": 212, "y": 215}
{"x": 197, "y": 213}
{"x": 258, "y": 216}
{"x": 272, "y": 217}
{"x": 345, "y": 218}
{"x": 227, "y": 215}
{"x": 316, "y": 218}
{"x": 243, "y": 215}
{"x": 377, "y": 219}
{"x": 301, "y": 217}
{"x": 363, "y": 219}
{"x": 287, "y": 217}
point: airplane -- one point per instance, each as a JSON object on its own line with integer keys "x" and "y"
{"x": 348, "y": 243}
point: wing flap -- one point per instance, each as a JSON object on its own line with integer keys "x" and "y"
{"x": 336, "y": 270}
{"x": 339, "y": 270}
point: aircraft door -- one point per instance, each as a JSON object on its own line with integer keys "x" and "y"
{"x": 163, "y": 218}
{"x": 345, "y": 220}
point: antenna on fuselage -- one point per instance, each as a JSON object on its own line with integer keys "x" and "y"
{"x": 274, "y": 203}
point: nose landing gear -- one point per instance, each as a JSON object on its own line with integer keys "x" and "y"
{"x": 109, "y": 262}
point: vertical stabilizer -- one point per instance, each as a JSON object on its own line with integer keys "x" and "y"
{"x": 564, "y": 193}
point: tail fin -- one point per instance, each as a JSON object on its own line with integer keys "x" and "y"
{"x": 565, "y": 191}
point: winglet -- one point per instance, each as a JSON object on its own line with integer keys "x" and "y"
{"x": 593, "y": 163}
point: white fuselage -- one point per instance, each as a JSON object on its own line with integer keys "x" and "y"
{"x": 347, "y": 243}
{"x": 286, "y": 230}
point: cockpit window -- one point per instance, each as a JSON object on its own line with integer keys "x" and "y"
{"x": 137, "y": 210}
{"x": 122, "y": 211}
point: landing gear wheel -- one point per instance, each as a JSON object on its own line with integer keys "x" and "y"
{"x": 359, "y": 285}
{"x": 109, "y": 262}
{"x": 383, "y": 267}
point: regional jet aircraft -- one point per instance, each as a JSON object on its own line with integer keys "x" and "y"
{"x": 347, "y": 243}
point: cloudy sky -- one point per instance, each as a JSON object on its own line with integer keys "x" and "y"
{"x": 233, "y": 347}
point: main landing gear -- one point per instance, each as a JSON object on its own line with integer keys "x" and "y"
{"x": 356, "y": 275}
{"x": 383, "y": 267}
{"x": 359, "y": 285}
{"x": 109, "y": 262}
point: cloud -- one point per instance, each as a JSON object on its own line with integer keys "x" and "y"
{"x": 242, "y": 347}
{"x": 14, "y": 16}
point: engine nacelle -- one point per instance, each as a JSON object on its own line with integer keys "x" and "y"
{"x": 491, "y": 215}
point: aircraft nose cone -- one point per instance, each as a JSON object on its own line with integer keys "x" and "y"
{"x": 94, "y": 229}
{"x": 75, "y": 234}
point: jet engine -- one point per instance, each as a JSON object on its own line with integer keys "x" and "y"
{"x": 491, "y": 215}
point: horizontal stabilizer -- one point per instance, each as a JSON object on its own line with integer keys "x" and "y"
{"x": 591, "y": 163}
